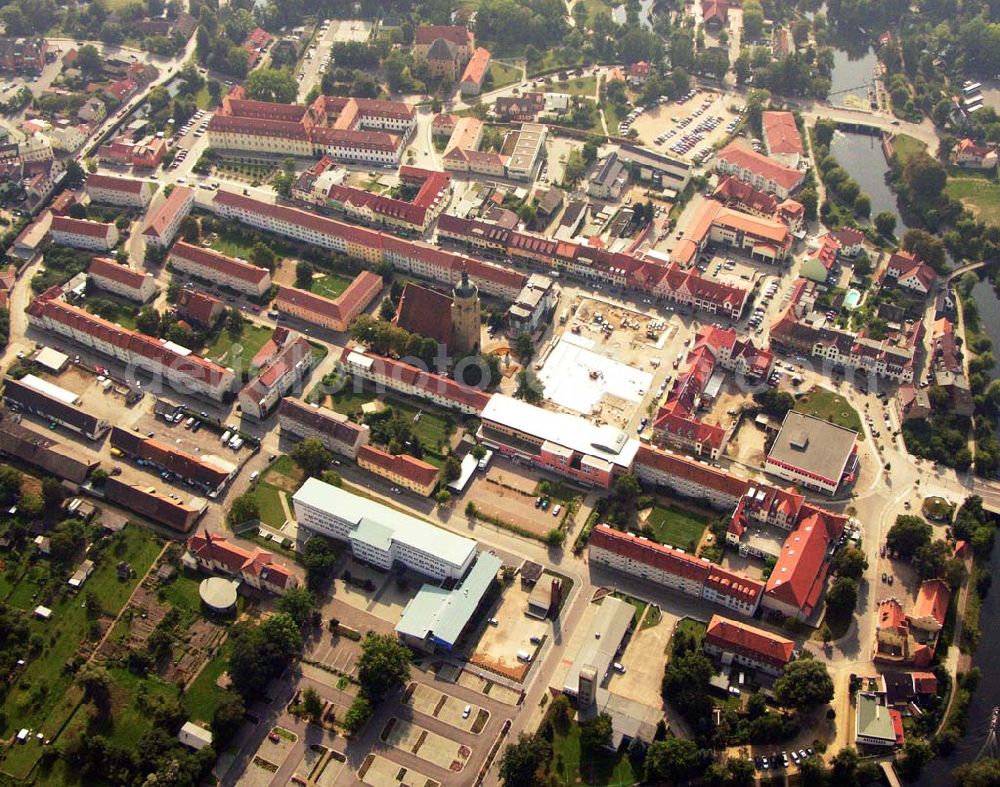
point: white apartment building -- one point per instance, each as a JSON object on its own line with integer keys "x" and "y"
{"x": 166, "y": 219}
{"x": 121, "y": 280}
{"x": 335, "y": 430}
{"x": 83, "y": 234}
{"x": 387, "y": 374}
{"x": 178, "y": 366}
{"x": 114, "y": 190}
{"x": 381, "y": 535}
{"x": 675, "y": 569}
{"x": 217, "y": 268}
{"x": 289, "y": 368}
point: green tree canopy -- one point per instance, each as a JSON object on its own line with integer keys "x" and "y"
{"x": 908, "y": 534}
{"x": 272, "y": 84}
{"x": 384, "y": 665}
{"x": 804, "y": 684}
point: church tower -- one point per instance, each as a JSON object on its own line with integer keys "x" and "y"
{"x": 465, "y": 317}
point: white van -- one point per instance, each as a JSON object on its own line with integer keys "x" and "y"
{"x": 225, "y": 437}
{"x": 523, "y": 655}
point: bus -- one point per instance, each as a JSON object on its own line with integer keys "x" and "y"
{"x": 971, "y": 87}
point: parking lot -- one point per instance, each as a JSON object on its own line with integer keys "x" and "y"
{"x": 271, "y": 754}
{"x": 500, "y": 643}
{"x": 688, "y": 129}
{"x": 444, "y": 707}
{"x": 644, "y": 660}
{"x": 379, "y": 772}
{"x": 427, "y": 745}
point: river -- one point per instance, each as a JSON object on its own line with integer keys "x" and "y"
{"x": 851, "y": 74}
{"x": 860, "y": 155}
{"x": 987, "y": 695}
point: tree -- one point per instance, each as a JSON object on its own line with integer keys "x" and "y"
{"x": 885, "y": 223}
{"x": 916, "y": 754}
{"x": 521, "y": 761}
{"x": 148, "y": 321}
{"x": 272, "y": 84}
{"x": 319, "y": 559}
{"x": 74, "y": 173}
{"x": 357, "y": 715}
{"x": 529, "y": 387}
{"x": 227, "y": 719}
{"x": 753, "y": 20}
{"x": 596, "y": 732}
{"x": 907, "y": 535}
{"x": 673, "y": 760}
{"x": 804, "y": 684}
{"x": 849, "y": 562}
{"x": 304, "y": 275}
{"x": 299, "y": 604}
{"x": 524, "y": 347}
{"x": 66, "y": 540}
{"x": 925, "y": 177}
{"x": 96, "y": 685}
{"x": 451, "y": 470}
{"x": 261, "y": 254}
{"x": 862, "y": 206}
{"x": 89, "y": 60}
{"x": 190, "y": 230}
{"x": 810, "y": 201}
{"x": 312, "y": 704}
{"x": 842, "y": 595}
{"x": 845, "y": 765}
{"x": 243, "y": 509}
{"x": 312, "y": 456}
{"x": 982, "y": 773}
{"x": 931, "y": 559}
{"x": 259, "y": 652}
{"x": 575, "y": 167}
{"x": 384, "y": 665}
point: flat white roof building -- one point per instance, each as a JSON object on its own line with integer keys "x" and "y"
{"x": 600, "y": 643}
{"x": 562, "y": 429}
{"x": 381, "y": 535}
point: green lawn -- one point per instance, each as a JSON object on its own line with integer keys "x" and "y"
{"x": 830, "y": 407}
{"x": 126, "y": 314}
{"x": 233, "y": 244}
{"x": 330, "y": 285}
{"x": 431, "y": 427}
{"x": 979, "y": 195}
{"x": 237, "y": 352}
{"x": 43, "y": 697}
{"x": 284, "y": 465}
{"x": 576, "y": 86}
{"x": 203, "y": 98}
{"x": 572, "y": 766}
{"x": 504, "y": 74}
{"x": 269, "y": 499}
{"x": 676, "y": 526}
{"x": 203, "y": 696}
{"x": 691, "y": 626}
{"x": 905, "y": 146}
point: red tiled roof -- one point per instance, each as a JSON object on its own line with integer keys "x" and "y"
{"x": 109, "y": 269}
{"x": 215, "y": 261}
{"x": 690, "y": 470}
{"x": 643, "y": 550}
{"x": 798, "y": 576}
{"x": 891, "y": 615}
{"x": 197, "y": 306}
{"x": 45, "y": 305}
{"x": 475, "y": 71}
{"x": 406, "y": 374}
{"x": 760, "y": 645}
{"x": 345, "y": 303}
{"x": 424, "y": 35}
{"x": 92, "y": 229}
{"x": 425, "y": 311}
{"x": 932, "y": 600}
{"x": 113, "y": 183}
{"x": 781, "y": 133}
{"x": 684, "y": 428}
{"x": 212, "y": 547}
{"x": 737, "y": 154}
{"x": 167, "y": 212}
{"x": 415, "y": 470}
